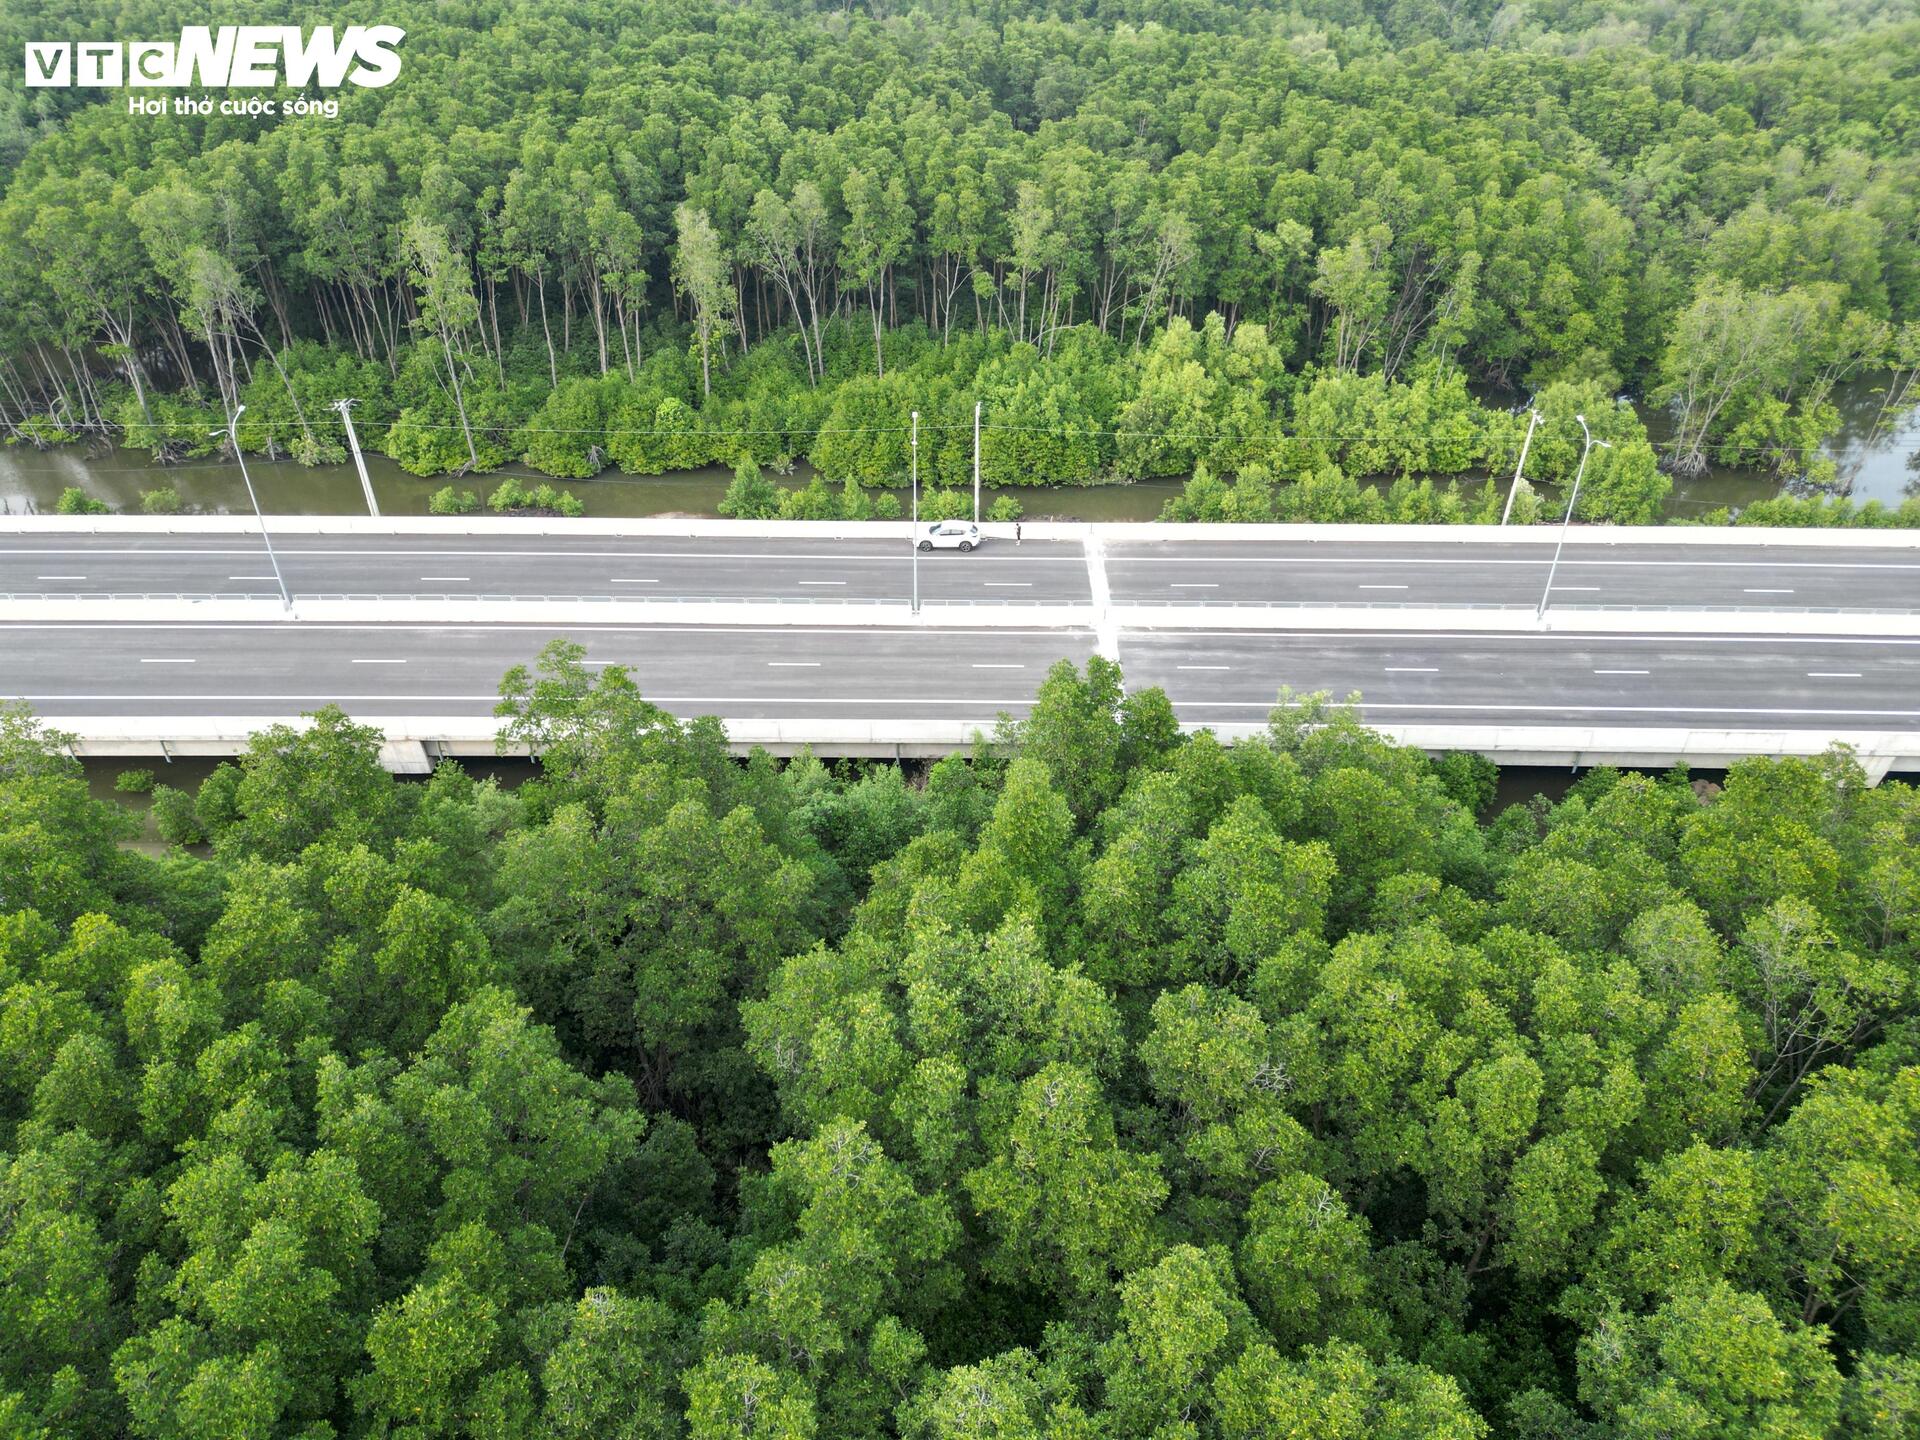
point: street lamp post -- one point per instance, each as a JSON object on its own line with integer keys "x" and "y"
{"x": 1533, "y": 419}
{"x": 913, "y": 447}
{"x": 232, "y": 432}
{"x": 976, "y": 462}
{"x": 345, "y": 407}
{"x": 1567, "y": 519}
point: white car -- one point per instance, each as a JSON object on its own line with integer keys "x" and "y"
{"x": 950, "y": 535}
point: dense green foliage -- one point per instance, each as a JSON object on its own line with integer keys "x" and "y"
{"x": 1147, "y": 236}
{"x": 1110, "y": 1082}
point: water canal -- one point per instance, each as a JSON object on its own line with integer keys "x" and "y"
{"x": 1878, "y": 461}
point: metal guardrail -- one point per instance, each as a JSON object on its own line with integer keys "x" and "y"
{"x": 664, "y": 599}
{"x": 471, "y": 598}
{"x": 1526, "y": 606}
{"x": 135, "y": 595}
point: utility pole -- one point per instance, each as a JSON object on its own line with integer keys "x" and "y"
{"x": 976, "y": 462}
{"x": 345, "y": 407}
{"x": 1572, "y": 500}
{"x": 1533, "y": 419}
{"x": 232, "y": 432}
{"x": 913, "y": 446}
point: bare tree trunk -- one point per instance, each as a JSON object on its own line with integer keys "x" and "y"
{"x": 493, "y": 315}
{"x": 553, "y": 366}
{"x": 599, "y": 323}
{"x": 459, "y": 399}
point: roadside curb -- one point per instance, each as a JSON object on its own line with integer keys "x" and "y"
{"x": 1078, "y": 532}
{"x": 415, "y": 743}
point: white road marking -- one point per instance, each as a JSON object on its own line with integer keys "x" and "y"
{"x": 981, "y": 704}
{"x": 1833, "y": 674}
{"x": 166, "y": 660}
{"x": 987, "y": 706}
{"x": 1557, "y": 637}
{"x": 1009, "y": 584}
{"x": 1623, "y": 672}
{"x": 618, "y": 581}
{"x": 1765, "y": 592}
{"x": 823, "y": 582}
{"x": 1203, "y": 667}
{"x": 594, "y": 628}
{"x": 1195, "y": 585}
{"x": 252, "y": 577}
{"x": 1766, "y": 564}
{"x": 1593, "y": 588}
{"x": 1569, "y": 708}
{"x": 1383, "y": 587}
{"x": 466, "y": 578}
{"x": 379, "y": 662}
{"x": 834, "y": 554}
{"x": 794, "y": 664}
{"x": 999, "y": 667}
{"x": 59, "y": 577}
{"x": 1412, "y": 669}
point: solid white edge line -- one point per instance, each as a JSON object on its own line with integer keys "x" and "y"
{"x": 493, "y": 696}
{"x": 1596, "y": 562}
{"x": 1263, "y": 705}
{"x": 592, "y": 627}
{"x": 1557, "y": 637}
{"x": 1570, "y": 708}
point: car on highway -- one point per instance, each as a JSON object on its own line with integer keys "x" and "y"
{"x": 950, "y": 535}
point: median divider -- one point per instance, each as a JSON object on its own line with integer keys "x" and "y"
{"x": 1107, "y": 621}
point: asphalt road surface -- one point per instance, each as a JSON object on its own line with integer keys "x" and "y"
{"x": 1346, "y": 572}
{"x": 1187, "y": 572}
{"x": 790, "y": 672}
{"x": 641, "y": 568}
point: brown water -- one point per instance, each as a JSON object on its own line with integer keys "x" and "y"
{"x": 1878, "y": 463}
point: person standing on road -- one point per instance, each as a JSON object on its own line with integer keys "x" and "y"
{"x": 1016, "y": 532}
